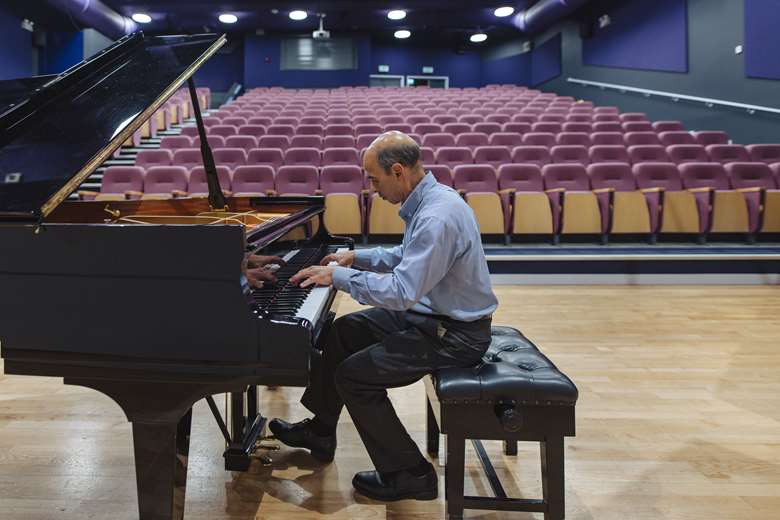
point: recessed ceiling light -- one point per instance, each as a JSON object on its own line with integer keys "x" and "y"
{"x": 298, "y": 15}
{"x": 501, "y": 12}
{"x": 141, "y": 18}
{"x": 402, "y": 34}
{"x": 228, "y": 18}
{"x": 397, "y": 14}
{"x": 478, "y": 38}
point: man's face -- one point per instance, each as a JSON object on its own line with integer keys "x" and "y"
{"x": 389, "y": 185}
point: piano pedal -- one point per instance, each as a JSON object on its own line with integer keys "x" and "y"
{"x": 265, "y": 460}
{"x": 267, "y": 447}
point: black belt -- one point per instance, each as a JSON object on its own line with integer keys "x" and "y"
{"x": 444, "y": 317}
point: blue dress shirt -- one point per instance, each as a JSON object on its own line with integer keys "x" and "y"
{"x": 439, "y": 268}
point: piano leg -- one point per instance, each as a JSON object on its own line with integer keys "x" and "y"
{"x": 161, "y": 452}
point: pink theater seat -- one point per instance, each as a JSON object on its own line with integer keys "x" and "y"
{"x": 608, "y": 153}
{"x": 197, "y": 186}
{"x": 471, "y": 139}
{"x": 453, "y": 156}
{"x": 576, "y": 154}
{"x": 297, "y": 180}
{"x": 575, "y": 208}
{"x": 306, "y": 141}
{"x": 765, "y": 153}
{"x": 479, "y": 185}
{"x": 607, "y": 138}
{"x": 676, "y": 137}
{"x": 173, "y": 142}
{"x": 273, "y": 157}
{"x": 684, "y": 153}
{"x": 508, "y": 139}
{"x": 641, "y": 138}
{"x": 336, "y": 141}
{"x": 255, "y": 180}
{"x": 442, "y": 173}
{"x": 607, "y": 127}
{"x": 287, "y": 130}
{"x": 118, "y": 183}
{"x": 234, "y": 121}
{"x": 495, "y": 156}
{"x": 577, "y": 127}
{"x": 424, "y": 129}
{"x": 344, "y": 129}
{"x": 444, "y": 119}
{"x": 624, "y": 208}
{"x": 438, "y": 140}
{"x": 573, "y": 138}
{"x": 648, "y": 153}
{"x": 343, "y": 156}
{"x": 148, "y": 158}
{"x": 280, "y": 142}
{"x": 758, "y": 185}
{"x": 668, "y": 126}
{"x": 539, "y": 139}
{"x": 708, "y": 137}
{"x": 633, "y": 116}
{"x": 230, "y": 157}
{"x": 302, "y": 156}
{"x": 427, "y": 155}
{"x": 456, "y": 128}
{"x": 721, "y": 209}
{"x": 215, "y": 141}
{"x": 309, "y": 130}
{"x": 522, "y": 185}
{"x": 165, "y": 182}
{"x": 245, "y": 142}
{"x": 516, "y": 128}
{"x": 188, "y": 158}
{"x": 538, "y": 155}
{"x": 726, "y": 153}
{"x": 253, "y": 130}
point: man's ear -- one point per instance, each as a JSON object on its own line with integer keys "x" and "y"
{"x": 397, "y": 169}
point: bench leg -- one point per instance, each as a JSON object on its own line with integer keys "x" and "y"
{"x": 454, "y": 475}
{"x": 552, "y": 478}
{"x": 510, "y": 447}
{"x": 432, "y": 430}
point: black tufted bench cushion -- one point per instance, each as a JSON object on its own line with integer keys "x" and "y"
{"x": 515, "y": 394}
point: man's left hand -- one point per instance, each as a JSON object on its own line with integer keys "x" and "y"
{"x": 316, "y": 274}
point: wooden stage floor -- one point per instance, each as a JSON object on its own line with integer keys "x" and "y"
{"x": 678, "y": 418}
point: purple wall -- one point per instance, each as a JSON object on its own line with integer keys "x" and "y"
{"x": 762, "y": 39}
{"x": 261, "y": 67}
{"x": 464, "y": 70}
{"x": 546, "y": 61}
{"x": 16, "y": 49}
{"x": 515, "y": 70}
{"x": 642, "y": 35}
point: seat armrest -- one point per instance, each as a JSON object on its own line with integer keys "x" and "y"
{"x": 132, "y": 193}
{"x": 179, "y": 193}
{"x": 271, "y": 193}
{"x": 604, "y": 190}
{"x": 703, "y": 189}
{"x": 754, "y": 189}
{"x": 653, "y": 190}
{"x": 318, "y": 192}
{"x": 508, "y": 190}
{"x": 87, "y": 195}
{"x": 555, "y": 190}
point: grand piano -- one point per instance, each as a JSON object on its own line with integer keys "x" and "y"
{"x": 146, "y": 300}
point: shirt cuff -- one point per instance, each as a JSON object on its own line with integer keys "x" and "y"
{"x": 341, "y": 276}
{"x": 362, "y": 258}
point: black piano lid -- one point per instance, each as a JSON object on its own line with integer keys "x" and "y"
{"x": 56, "y": 130}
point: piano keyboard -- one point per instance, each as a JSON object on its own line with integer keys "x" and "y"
{"x": 290, "y": 300}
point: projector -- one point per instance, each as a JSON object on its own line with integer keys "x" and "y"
{"x": 320, "y": 34}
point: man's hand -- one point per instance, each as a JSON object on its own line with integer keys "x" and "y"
{"x": 344, "y": 259}
{"x": 258, "y": 276}
{"x": 261, "y": 260}
{"x": 316, "y": 274}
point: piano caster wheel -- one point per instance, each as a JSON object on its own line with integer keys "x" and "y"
{"x": 267, "y": 447}
{"x": 265, "y": 460}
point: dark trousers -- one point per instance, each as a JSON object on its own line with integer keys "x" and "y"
{"x": 367, "y": 352}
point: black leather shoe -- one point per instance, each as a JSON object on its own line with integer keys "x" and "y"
{"x": 398, "y": 485}
{"x": 301, "y": 435}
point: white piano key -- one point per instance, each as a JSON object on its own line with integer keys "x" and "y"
{"x": 314, "y": 304}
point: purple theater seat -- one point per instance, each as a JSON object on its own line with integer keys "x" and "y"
{"x": 230, "y": 157}
{"x": 246, "y": 142}
{"x": 668, "y": 126}
{"x": 215, "y": 141}
{"x": 417, "y": 118}
{"x": 607, "y": 138}
{"x": 188, "y": 158}
{"x": 336, "y": 141}
{"x": 608, "y": 153}
{"x": 427, "y": 156}
{"x": 498, "y": 118}
{"x": 641, "y": 138}
{"x": 424, "y": 129}
{"x": 623, "y": 208}
{"x": 456, "y": 128}
{"x": 550, "y": 128}
{"x": 211, "y": 121}
{"x": 340, "y": 156}
{"x": 260, "y": 120}
{"x": 683, "y": 153}
{"x": 253, "y": 180}
{"x": 579, "y": 117}
{"x": 337, "y": 129}
{"x": 607, "y": 127}
{"x": 391, "y": 120}
{"x": 364, "y": 140}
{"x": 551, "y": 118}
{"x": 765, "y": 153}
{"x": 676, "y": 137}
{"x": 314, "y": 120}
{"x": 708, "y": 137}
{"x": 173, "y": 142}
{"x": 334, "y": 120}
{"x": 475, "y": 178}
{"x": 365, "y": 120}
{"x": 444, "y": 119}
{"x": 606, "y": 118}
{"x": 637, "y": 126}
{"x": 726, "y": 153}
{"x": 707, "y": 180}
{"x": 300, "y": 179}
{"x": 487, "y": 127}
{"x": 453, "y": 156}
{"x": 508, "y": 139}
{"x": 647, "y": 153}
{"x": 302, "y": 156}
{"x": 159, "y": 157}
{"x": 529, "y": 119}
{"x": 165, "y": 180}
{"x": 438, "y": 140}
{"x": 398, "y": 127}
{"x": 287, "y": 130}
{"x": 538, "y": 155}
{"x": 280, "y": 142}
{"x": 372, "y": 128}
{"x": 577, "y": 127}
{"x": 273, "y": 157}
{"x": 520, "y": 177}
{"x": 572, "y": 181}
{"x": 118, "y": 180}
{"x": 471, "y": 119}
{"x": 197, "y": 186}
{"x": 341, "y": 178}
{"x": 442, "y": 173}
{"x": 308, "y": 130}
{"x": 516, "y": 128}
{"x": 573, "y": 138}
{"x": 307, "y": 141}
{"x": 190, "y": 131}
{"x": 633, "y": 116}
{"x": 657, "y": 176}
{"x": 479, "y": 184}
{"x": 539, "y": 139}
{"x": 234, "y": 121}
{"x": 287, "y": 121}
{"x": 574, "y": 153}
{"x": 495, "y": 156}
{"x": 471, "y": 139}
{"x": 757, "y": 183}
{"x": 253, "y": 130}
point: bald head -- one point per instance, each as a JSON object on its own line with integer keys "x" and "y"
{"x": 394, "y": 148}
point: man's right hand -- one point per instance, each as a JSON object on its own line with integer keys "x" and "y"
{"x": 344, "y": 259}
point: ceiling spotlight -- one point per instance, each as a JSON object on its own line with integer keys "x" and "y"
{"x": 298, "y": 15}
{"x": 228, "y": 18}
{"x": 501, "y": 12}
{"x": 397, "y": 14}
{"x": 402, "y": 34}
{"x": 478, "y": 37}
{"x": 141, "y": 18}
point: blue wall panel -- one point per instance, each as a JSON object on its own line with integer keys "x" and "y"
{"x": 512, "y": 70}
{"x": 464, "y": 70}
{"x": 762, "y": 38}
{"x": 546, "y": 61}
{"x": 223, "y": 69}
{"x": 642, "y": 35}
{"x": 16, "y": 49}
{"x": 62, "y": 51}
{"x": 261, "y": 67}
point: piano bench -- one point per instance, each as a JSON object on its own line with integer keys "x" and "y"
{"x": 515, "y": 394}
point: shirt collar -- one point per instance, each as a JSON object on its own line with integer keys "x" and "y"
{"x": 412, "y": 202}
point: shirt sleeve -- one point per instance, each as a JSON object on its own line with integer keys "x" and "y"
{"x": 427, "y": 257}
{"x": 378, "y": 259}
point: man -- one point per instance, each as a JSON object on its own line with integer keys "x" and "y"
{"x": 432, "y": 306}
{"x": 259, "y": 268}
